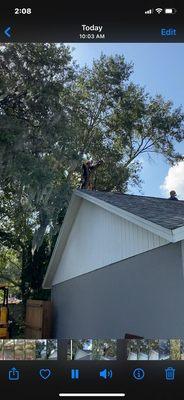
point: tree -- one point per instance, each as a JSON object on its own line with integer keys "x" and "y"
{"x": 10, "y": 270}
{"x": 32, "y": 122}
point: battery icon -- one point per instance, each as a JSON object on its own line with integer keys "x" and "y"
{"x": 170, "y": 11}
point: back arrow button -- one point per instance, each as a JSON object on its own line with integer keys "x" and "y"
{"x": 7, "y": 31}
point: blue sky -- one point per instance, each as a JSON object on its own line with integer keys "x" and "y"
{"x": 159, "y": 68}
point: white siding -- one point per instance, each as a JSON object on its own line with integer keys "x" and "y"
{"x": 99, "y": 238}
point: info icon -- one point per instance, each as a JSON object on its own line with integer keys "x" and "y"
{"x": 138, "y": 374}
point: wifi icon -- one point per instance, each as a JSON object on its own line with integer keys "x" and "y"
{"x": 158, "y": 10}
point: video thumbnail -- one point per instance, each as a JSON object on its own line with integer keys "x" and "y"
{"x": 155, "y": 350}
{"x": 92, "y": 349}
{"x": 20, "y": 349}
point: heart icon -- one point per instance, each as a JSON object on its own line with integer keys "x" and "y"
{"x": 45, "y": 373}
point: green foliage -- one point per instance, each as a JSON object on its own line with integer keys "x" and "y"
{"x": 33, "y": 270}
{"x": 10, "y": 271}
{"x": 175, "y": 349}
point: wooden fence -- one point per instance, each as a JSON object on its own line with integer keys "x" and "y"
{"x": 38, "y": 319}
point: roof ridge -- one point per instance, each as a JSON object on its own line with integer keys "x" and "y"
{"x": 123, "y": 194}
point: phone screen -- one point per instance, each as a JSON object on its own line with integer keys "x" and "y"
{"x": 91, "y": 201}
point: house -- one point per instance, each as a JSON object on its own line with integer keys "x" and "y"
{"x": 117, "y": 267}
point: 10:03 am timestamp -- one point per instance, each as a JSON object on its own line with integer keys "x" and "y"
{"x": 92, "y": 36}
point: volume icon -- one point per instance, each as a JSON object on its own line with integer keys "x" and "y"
{"x": 106, "y": 374}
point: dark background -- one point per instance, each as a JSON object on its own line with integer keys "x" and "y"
{"x": 61, "y": 21}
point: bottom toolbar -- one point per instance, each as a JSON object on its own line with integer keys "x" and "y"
{"x": 92, "y": 368}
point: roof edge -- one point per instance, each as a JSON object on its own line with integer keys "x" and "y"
{"x": 178, "y": 234}
{"x": 65, "y": 229}
{"x": 159, "y": 230}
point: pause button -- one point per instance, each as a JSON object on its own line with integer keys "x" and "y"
{"x": 75, "y": 374}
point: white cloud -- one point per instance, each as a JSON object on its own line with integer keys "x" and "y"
{"x": 174, "y": 180}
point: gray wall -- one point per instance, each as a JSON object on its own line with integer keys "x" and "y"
{"x": 142, "y": 295}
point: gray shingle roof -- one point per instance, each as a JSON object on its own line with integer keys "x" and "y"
{"x": 163, "y": 212}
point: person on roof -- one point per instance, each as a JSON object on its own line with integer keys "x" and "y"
{"x": 173, "y": 195}
{"x": 88, "y": 169}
